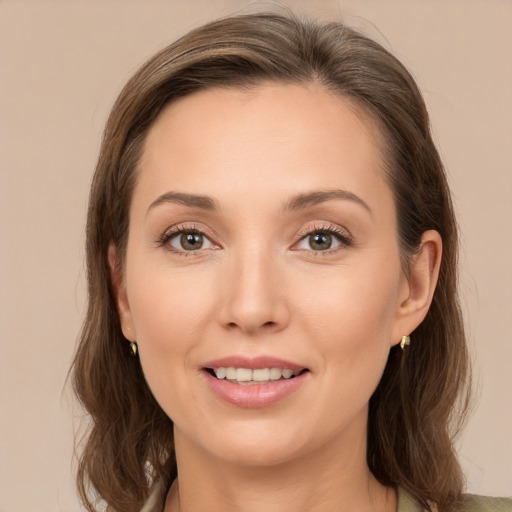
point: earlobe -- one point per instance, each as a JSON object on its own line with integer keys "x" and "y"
{"x": 123, "y": 306}
{"x": 421, "y": 283}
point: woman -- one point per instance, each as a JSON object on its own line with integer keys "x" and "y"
{"x": 273, "y": 319}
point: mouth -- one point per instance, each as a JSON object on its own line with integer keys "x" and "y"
{"x": 254, "y": 382}
{"x": 257, "y": 376}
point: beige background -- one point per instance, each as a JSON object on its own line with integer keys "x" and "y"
{"x": 61, "y": 65}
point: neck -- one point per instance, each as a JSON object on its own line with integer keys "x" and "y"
{"x": 326, "y": 479}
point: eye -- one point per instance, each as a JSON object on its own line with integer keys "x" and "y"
{"x": 319, "y": 241}
{"x": 187, "y": 240}
{"x": 323, "y": 239}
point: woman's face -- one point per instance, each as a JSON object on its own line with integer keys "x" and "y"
{"x": 263, "y": 238}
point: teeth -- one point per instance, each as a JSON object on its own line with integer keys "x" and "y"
{"x": 231, "y": 373}
{"x": 258, "y": 375}
{"x": 220, "y": 372}
{"x": 275, "y": 373}
{"x": 243, "y": 375}
{"x": 261, "y": 375}
{"x": 287, "y": 374}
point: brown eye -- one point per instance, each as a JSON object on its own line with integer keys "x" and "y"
{"x": 323, "y": 240}
{"x": 320, "y": 241}
{"x": 189, "y": 241}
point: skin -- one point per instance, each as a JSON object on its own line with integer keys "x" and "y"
{"x": 257, "y": 287}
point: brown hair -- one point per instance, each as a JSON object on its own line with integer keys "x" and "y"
{"x": 413, "y": 413}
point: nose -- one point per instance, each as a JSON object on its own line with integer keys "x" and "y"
{"x": 254, "y": 295}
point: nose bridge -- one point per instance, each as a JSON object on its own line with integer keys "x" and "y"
{"x": 253, "y": 294}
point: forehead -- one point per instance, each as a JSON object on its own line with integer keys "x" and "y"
{"x": 270, "y": 138}
{"x": 276, "y": 106}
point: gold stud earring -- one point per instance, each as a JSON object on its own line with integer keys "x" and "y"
{"x": 406, "y": 340}
{"x": 133, "y": 347}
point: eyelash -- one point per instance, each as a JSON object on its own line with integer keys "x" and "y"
{"x": 344, "y": 238}
{"x": 179, "y": 230}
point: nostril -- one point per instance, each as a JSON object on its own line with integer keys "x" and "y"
{"x": 266, "y": 325}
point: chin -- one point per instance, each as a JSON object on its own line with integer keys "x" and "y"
{"x": 259, "y": 454}
{"x": 255, "y": 443}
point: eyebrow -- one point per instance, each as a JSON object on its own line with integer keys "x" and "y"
{"x": 309, "y": 199}
{"x": 298, "y": 202}
{"x": 192, "y": 200}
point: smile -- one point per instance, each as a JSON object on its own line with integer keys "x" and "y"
{"x": 253, "y": 376}
{"x": 254, "y": 382}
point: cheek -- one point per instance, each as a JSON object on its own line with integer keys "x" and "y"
{"x": 350, "y": 303}
{"x": 170, "y": 311}
{"x": 350, "y": 317}
{"x": 168, "y": 307}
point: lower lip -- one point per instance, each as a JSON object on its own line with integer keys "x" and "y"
{"x": 254, "y": 395}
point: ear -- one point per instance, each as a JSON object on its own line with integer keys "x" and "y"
{"x": 419, "y": 286}
{"x": 123, "y": 307}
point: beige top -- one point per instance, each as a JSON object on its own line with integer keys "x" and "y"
{"x": 472, "y": 503}
{"x": 406, "y": 503}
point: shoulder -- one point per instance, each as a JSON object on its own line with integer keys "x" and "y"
{"x": 473, "y": 503}
{"x": 470, "y": 503}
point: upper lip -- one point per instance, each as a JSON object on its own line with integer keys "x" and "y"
{"x": 254, "y": 363}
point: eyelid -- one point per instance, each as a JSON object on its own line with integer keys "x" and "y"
{"x": 343, "y": 236}
{"x": 186, "y": 227}
{"x": 324, "y": 226}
